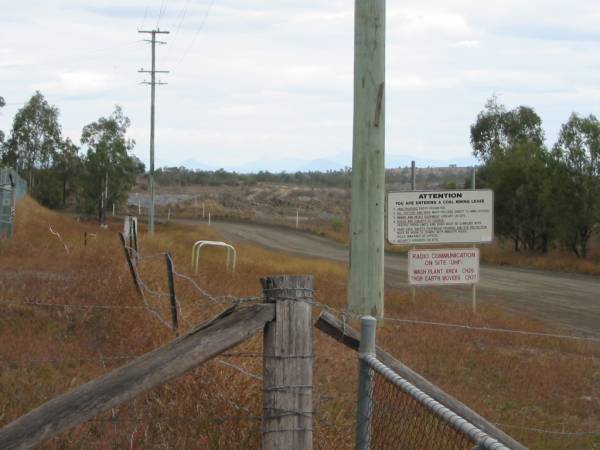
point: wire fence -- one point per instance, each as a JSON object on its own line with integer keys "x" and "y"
{"x": 402, "y": 416}
{"x": 397, "y": 416}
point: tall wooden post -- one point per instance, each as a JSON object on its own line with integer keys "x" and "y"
{"x": 365, "y": 289}
{"x": 287, "y": 365}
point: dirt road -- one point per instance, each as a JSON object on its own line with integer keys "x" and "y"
{"x": 570, "y": 300}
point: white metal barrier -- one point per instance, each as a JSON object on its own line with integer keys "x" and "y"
{"x": 198, "y": 245}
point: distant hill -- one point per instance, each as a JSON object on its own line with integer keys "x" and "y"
{"x": 334, "y": 162}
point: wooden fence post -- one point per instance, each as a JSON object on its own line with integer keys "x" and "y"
{"x": 172, "y": 292}
{"x": 287, "y": 364}
{"x": 134, "y": 275}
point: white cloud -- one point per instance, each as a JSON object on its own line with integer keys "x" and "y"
{"x": 467, "y": 43}
{"x": 269, "y": 79}
{"x": 76, "y": 83}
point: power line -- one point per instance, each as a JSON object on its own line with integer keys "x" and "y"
{"x": 177, "y": 23}
{"x": 198, "y": 30}
{"x": 162, "y": 10}
{"x": 145, "y": 15}
{"x": 182, "y": 16}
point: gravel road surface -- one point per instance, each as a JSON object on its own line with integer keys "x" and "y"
{"x": 569, "y": 300}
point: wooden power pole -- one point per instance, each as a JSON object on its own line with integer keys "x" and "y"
{"x": 365, "y": 289}
{"x": 152, "y": 84}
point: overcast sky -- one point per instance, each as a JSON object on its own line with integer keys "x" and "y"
{"x": 272, "y": 80}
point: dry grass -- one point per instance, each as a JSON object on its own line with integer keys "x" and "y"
{"x": 511, "y": 379}
{"x": 554, "y": 260}
{"x": 495, "y": 253}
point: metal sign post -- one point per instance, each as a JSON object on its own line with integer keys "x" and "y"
{"x": 413, "y": 187}
{"x": 473, "y": 286}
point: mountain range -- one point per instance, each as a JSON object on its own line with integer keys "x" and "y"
{"x": 334, "y": 162}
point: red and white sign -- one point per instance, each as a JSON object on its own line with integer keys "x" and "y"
{"x": 449, "y": 266}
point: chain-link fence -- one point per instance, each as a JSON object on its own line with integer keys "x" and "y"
{"x": 12, "y": 188}
{"x": 20, "y": 185}
{"x": 400, "y": 421}
{"x": 393, "y": 413}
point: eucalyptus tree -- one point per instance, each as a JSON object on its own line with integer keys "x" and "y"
{"x": 497, "y": 129}
{"x": 510, "y": 144}
{"x": 34, "y": 139}
{"x": 577, "y": 175}
{"x": 109, "y": 169}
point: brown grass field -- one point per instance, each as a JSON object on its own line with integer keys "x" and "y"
{"x": 524, "y": 383}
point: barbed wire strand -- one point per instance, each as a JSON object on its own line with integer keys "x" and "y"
{"x": 68, "y": 305}
{"x": 240, "y": 369}
{"x": 59, "y": 238}
{"x": 491, "y": 329}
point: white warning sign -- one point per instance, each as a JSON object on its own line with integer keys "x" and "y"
{"x": 440, "y": 217}
{"x": 450, "y": 266}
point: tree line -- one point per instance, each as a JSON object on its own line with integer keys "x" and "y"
{"x": 543, "y": 196}
{"x": 58, "y": 172}
{"x": 182, "y": 176}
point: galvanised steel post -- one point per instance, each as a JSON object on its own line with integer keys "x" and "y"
{"x": 368, "y": 327}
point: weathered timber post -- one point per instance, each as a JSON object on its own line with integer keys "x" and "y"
{"x": 365, "y": 286}
{"x": 134, "y": 275}
{"x": 413, "y": 187}
{"x": 287, "y": 364}
{"x": 134, "y": 241}
{"x": 172, "y": 297}
{"x": 364, "y": 408}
